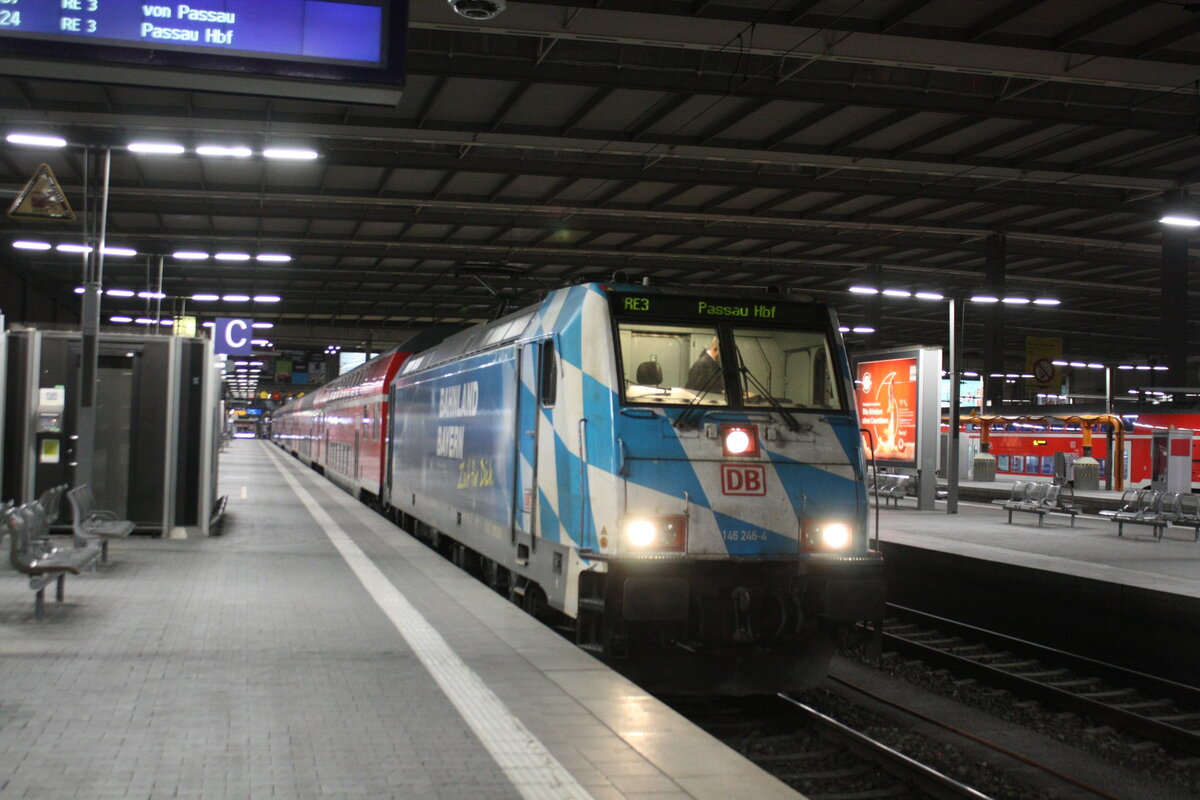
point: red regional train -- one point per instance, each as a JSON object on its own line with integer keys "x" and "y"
{"x": 340, "y": 429}
{"x": 1029, "y": 448}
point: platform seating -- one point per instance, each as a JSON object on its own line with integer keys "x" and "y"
{"x": 32, "y": 554}
{"x": 1187, "y": 514}
{"x": 1041, "y": 498}
{"x": 892, "y": 486}
{"x": 92, "y": 524}
{"x": 1146, "y": 507}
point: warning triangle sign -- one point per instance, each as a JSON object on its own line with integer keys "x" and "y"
{"x": 42, "y": 198}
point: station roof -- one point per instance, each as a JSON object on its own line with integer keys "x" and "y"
{"x": 809, "y": 145}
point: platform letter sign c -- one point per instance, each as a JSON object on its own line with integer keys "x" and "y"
{"x": 232, "y": 336}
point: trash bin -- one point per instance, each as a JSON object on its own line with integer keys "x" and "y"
{"x": 984, "y": 466}
{"x": 1087, "y": 473}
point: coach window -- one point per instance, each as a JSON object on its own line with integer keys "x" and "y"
{"x": 672, "y": 364}
{"x": 793, "y": 368}
{"x": 549, "y": 368}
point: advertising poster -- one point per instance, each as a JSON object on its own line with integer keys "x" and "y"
{"x": 886, "y": 393}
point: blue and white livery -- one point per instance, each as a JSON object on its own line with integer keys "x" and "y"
{"x": 702, "y": 521}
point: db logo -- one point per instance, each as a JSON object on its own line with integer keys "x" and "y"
{"x": 748, "y": 479}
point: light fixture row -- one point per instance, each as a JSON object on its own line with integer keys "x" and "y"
{"x": 180, "y": 255}
{"x": 122, "y": 319}
{"x": 1016, "y": 300}
{"x": 856, "y": 329}
{"x": 1094, "y": 365}
{"x": 175, "y": 149}
{"x": 198, "y": 298}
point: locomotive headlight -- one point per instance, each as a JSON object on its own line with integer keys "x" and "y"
{"x": 656, "y": 534}
{"x": 641, "y": 533}
{"x": 739, "y": 440}
{"x": 835, "y": 535}
{"x": 827, "y": 535}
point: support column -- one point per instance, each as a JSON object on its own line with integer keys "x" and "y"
{"x": 993, "y": 320}
{"x": 1174, "y": 309}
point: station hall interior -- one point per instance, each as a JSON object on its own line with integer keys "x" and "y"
{"x": 923, "y": 150}
{"x": 313, "y": 587}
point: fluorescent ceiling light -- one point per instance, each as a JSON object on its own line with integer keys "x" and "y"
{"x": 79, "y": 290}
{"x": 897, "y": 293}
{"x": 266, "y": 298}
{"x": 1180, "y": 220}
{"x": 73, "y": 248}
{"x": 37, "y": 140}
{"x": 1059, "y": 363}
{"x": 232, "y": 256}
{"x": 152, "y": 295}
{"x": 1077, "y": 364}
{"x": 26, "y": 244}
{"x": 929, "y": 296}
{"x": 1160, "y": 368}
{"x": 864, "y": 290}
{"x": 166, "y": 322}
{"x": 119, "y": 251}
{"x": 1125, "y": 366}
{"x": 208, "y": 324}
{"x": 985, "y": 298}
{"x": 189, "y": 255}
{"x": 144, "y": 321}
{"x": 218, "y": 150}
{"x": 841, "y": 329}
{"x": 1095, "y": 366}
{"x": 120, "y": 319}
{"x": 119, "y": 293}
{"x": 236, "y": 298}
{"x": 1046, "y": 301}
{"x": 260, "y": 342}
{"x": 263, "y": 325}
{"x": 1016, "y": 301}
{"x": 863, "y": 329}
{"x": 205, "y": 298}
{"x": 290, "y": 153}
{"x": 1143, "y": 367}
{"x": 279, "y": 258}
{"x": 156, "y": 148}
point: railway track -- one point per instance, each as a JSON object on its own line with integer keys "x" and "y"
{"x": 1158, "y": 710}
{"x": 817, "y": 754}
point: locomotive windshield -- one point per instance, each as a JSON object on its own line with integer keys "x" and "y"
{"x": 672, "y": 364}
{"x": 685, "y": 364}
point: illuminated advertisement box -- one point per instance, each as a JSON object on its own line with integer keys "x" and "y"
{"x": 887, "y": 398}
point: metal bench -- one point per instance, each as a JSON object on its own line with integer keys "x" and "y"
{"x": 892, "y": 487}
{"x": 1042, "y": 498}
{"x": 92, "y": 524}
{"x": 1186, "y": 513}
{"x": 31, "y": 553}
{"x": 1150, "y": 507}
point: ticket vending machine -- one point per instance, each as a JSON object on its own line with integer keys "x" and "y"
{"x": 1171, "y": 460}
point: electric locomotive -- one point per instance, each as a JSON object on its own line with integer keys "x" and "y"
{"x": 703, "y": 524}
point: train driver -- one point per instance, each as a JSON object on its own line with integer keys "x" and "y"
{"x": 702, "y": 375}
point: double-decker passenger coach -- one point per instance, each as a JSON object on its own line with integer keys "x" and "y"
{"x": 679, "y": 476}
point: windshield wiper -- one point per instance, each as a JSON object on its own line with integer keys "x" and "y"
{"x": 684, "y": 420}
{"x": 792, "y": 423}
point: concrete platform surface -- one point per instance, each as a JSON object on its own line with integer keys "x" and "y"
{"x": 315, "y": 650}
{"x": 1091, "y": 549}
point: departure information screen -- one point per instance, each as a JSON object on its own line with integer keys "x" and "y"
{"x": 324, "y": 30}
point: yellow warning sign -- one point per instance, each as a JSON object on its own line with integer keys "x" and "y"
{"x": 42, "y": 198}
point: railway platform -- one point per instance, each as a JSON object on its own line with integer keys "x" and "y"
{"x": 315, "y": 650}
{"x": 1090, "y": 549}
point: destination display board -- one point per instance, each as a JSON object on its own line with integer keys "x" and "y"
{"x": 715, "y": 309}
{"x": 360, "y": 41}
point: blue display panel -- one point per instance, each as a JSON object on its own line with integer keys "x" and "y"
{"x": 359, "y": 41}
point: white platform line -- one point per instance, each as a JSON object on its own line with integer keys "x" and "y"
{"x": 533, "y": 770}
